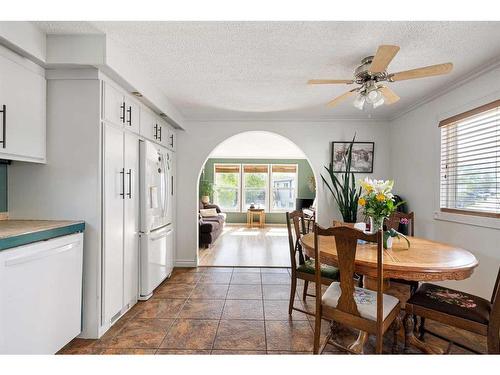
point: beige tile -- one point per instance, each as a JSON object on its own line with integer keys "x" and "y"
{"x": 274, "y": 270}
{"x": 125, "y": 351}
{"x": 246, "y": 278}
{"x": 238, "y": 352}
{"x": 244, "y": 292}
{"x": 216, "y": 269}
{"x": 278, "y": 310}
{"x": 246, "y": 269}
{"x": 216, "y": 278}
{"x": 182, "y": 351}
{"x": 210, "y": 291}
{"x": 243, "y": 309}
{"x": 141, "y": 333}
{"x": 174, "y": 290}
{"x": 276, "y": 278}
{"x": 184, "y": 278}
{"x": 160, "y": 308}
{"x": 240, "y": 335}
{"x": 276, "y": 292}
{"x": 289, "y": 335}
{"x": 202, "y": 309}
{"x": 191, "y": 334}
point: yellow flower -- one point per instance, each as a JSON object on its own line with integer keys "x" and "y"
{"x": 380, "y": 197}
{"x": 361, "y": 201}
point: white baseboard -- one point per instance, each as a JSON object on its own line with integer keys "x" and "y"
{"x": 185, "y": 263}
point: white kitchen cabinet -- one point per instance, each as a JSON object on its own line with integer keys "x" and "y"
{"x": 41, "y": 295}
{"x": 22, "y": 109}
{"x": 119, "y": 108}
{"x": 131, "y": 220}
{"x": 172, "y": 140}
{"x": 114, "y": 190}
{"x": 121, "y": 219}
{"x": 149, "y": 124}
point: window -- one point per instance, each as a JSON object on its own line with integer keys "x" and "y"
{"x": 255, "y": 186}
{"x": 283, "y": 187}
{"x": 227, "y": 186}
{"x": 470, "y": 162}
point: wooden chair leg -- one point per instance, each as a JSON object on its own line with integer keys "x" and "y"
{"x": 293, "y": 288}
{"x": 408, "y": 323}
{"x": 306, "y": 287}
{"x": 317, "y": 332}
{"x": 396, "y": 328}
{"x": 421, "y": 328}
{"x": 379, "y": 343}
{"x": 493, "y": 340}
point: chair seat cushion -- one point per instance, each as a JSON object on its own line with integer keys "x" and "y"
{"x": 326, "y": 271}
{"x": 452, "y": 302}
{"x": 366, "y": 301}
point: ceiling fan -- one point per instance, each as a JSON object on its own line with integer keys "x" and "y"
{"x": 372, "y": 72}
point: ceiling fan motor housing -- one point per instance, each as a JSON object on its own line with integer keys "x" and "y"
{"x": 363, "y": 74}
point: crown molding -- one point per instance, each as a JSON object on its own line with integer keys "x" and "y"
{"x": 483, "y": 69}
{"x": 286, "y": 119}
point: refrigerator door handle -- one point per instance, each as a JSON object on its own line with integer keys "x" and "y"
{"x": 122, "y": 172}
{"x": 129, "y": 174}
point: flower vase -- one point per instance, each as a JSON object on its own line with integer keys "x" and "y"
{"x": 387, "y": 240}
{"x": 376, "y": 224}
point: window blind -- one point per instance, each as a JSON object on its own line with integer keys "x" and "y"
{"x": 226, "y": 168}
{"x": 470, "y": 162}
{"x": 255, "y": 168}
{"x": 284, "y": 168}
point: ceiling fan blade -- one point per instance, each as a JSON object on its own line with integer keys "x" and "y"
{"x": 389, "y": 95}
{"x": 383, "y": 58}
{"x": 329, "y": 81}
{"x": 427, "y": 71}
{"x": 340, "y": 98}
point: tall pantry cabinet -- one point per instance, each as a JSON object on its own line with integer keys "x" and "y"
{"x": 93, "y": 128}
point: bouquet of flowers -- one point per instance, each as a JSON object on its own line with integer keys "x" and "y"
{"x": 377, "y": 201}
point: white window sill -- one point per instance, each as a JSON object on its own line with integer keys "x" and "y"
{"x": 479, "y": 221}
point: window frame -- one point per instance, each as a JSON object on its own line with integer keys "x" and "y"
{"x": 238, "y": 205}
{"x": 243, "y": 188}
{"x": 452, "y": 194}
{"x": 271, "y": 180}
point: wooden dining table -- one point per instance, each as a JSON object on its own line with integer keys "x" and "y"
{"x": 425, "y": 260}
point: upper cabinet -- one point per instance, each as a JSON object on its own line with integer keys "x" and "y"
{"x": 154, "y": 128}
{"x": 22, "y": 109}
{"x": 120, "y": 108}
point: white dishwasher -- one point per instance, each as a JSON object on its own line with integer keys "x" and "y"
{"x": 41, "y": 295}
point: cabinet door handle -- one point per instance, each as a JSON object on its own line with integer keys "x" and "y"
{"x": 122, "y": 117}
{"x": 129, "y": 174}
{"x": 156, "y": 131}
{"x": 122, "y": 194}
{"x": 4, "y": 125}
{"x": 172, "y": 141}
{"x": 172, "y": 186}
{"x": 129, "y": 111}
{"x": 159, "y": 128}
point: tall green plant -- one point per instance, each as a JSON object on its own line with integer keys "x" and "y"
{"x": 343, "y": 188}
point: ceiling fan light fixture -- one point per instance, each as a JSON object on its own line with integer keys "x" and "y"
{"x": 359, "y": 102}
{"x": 380, "y": 102}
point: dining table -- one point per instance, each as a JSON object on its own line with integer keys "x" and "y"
{"x": 424, "y": 260}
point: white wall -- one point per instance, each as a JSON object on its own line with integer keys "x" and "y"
{"x": 313, "y": 138}
{"x": 415, "y": 158}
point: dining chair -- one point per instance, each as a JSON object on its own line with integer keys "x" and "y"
{"x": 393, "y": 222}
{"x": 343, "y": 303}
{"x": 305, "y": 269}
{"x": 457, "y": 309}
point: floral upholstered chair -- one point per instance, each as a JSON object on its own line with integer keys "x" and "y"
{"x": 457, "y": 309}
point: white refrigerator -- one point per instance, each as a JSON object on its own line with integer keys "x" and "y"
{"x": 156, "y": 228}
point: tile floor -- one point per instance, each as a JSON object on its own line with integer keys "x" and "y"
{"x": 210, "y": 310}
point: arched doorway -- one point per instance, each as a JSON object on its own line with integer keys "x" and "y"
{"x": 259, "y": 171}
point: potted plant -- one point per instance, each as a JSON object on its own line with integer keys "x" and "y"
{"x": 206, "y": 191}
{"x": 343, "y": 188}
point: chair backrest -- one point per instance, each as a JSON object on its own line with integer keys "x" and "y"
{"x": 346, "y": 240}
{"x": 295, "y": 218}
{"x": 336, "y": 223}
{"x": 494, "y": 321}
{"x": 394, "y": 220}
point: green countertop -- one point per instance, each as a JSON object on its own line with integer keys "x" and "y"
{"x": 21, "y": 232}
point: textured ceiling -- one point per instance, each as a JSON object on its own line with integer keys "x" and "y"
{"x": 260, "y": 69}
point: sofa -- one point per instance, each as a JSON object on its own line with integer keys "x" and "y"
{"x": 210, "y": 227}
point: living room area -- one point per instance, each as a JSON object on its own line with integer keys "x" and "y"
{"x": 247, "y": 184}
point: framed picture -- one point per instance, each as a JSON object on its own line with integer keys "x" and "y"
{"x": 362, "y": 156}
